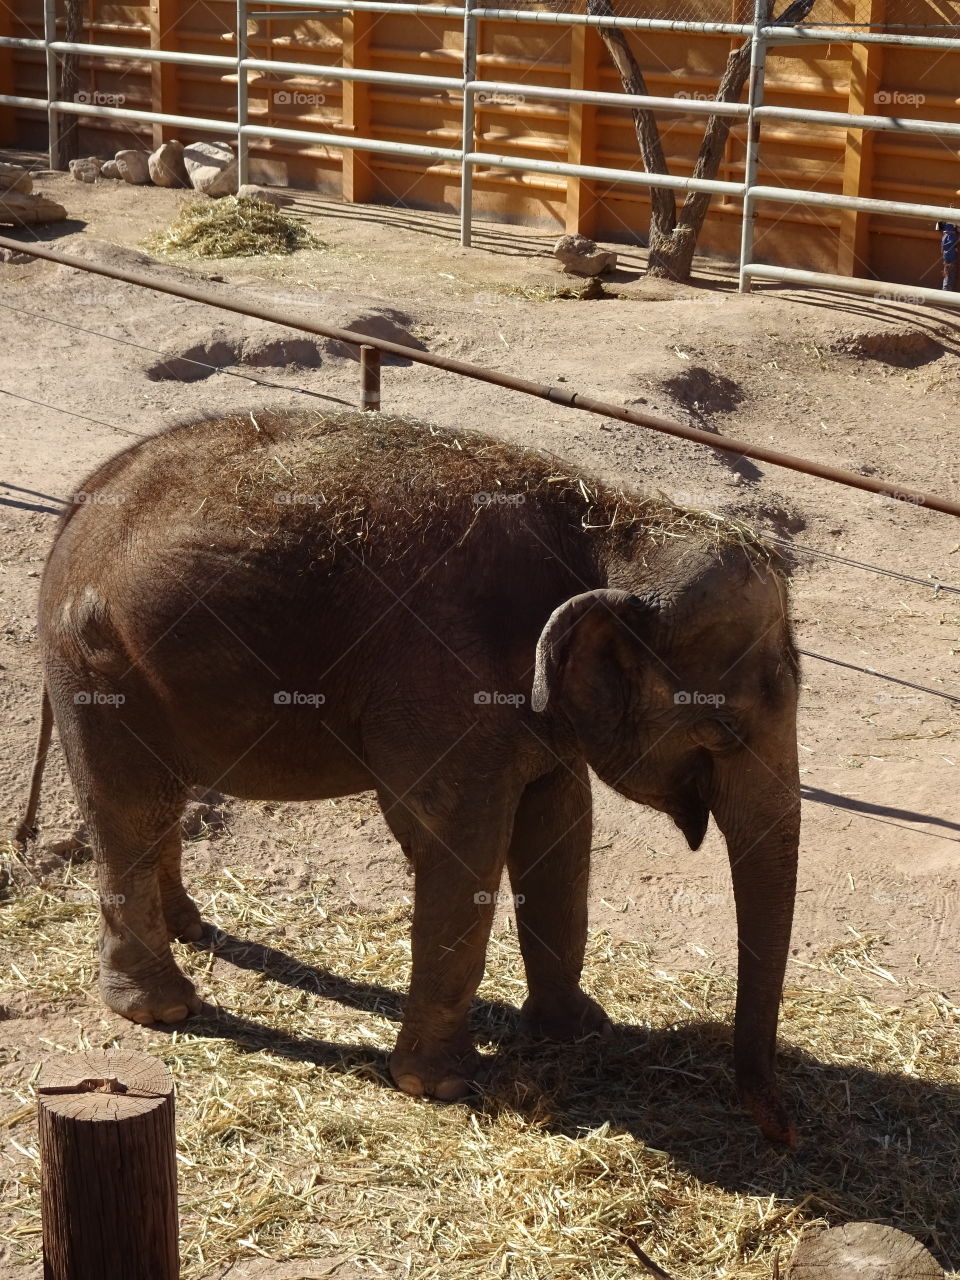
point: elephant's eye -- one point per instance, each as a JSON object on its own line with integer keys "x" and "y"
{"x": 715, "y": 735}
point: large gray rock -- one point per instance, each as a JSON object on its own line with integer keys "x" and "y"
{"x": 132, "y": 167}
{"x": 581, "y": 256}
{"x": 166, "y": 165}
{"x": 273, "y": 195}
{"x": 110, "y": 169}
{"x": 13, "y": 177}
{"x": 211, "y": 168}
{"x": 86, "y": 169}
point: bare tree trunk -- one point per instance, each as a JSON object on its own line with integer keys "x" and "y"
{"x": 673, "y": 237}
{"x": 663, "y": 219}
{"x": 68, "y": 143}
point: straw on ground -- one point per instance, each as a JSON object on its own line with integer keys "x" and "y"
{"x": 293, "y": 1144}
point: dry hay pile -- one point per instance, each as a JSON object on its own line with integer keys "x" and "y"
{"x": 233, "y": 227}
{"x": 292, "y": 1145}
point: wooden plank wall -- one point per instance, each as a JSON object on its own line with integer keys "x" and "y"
{"x": 902, "y": 82}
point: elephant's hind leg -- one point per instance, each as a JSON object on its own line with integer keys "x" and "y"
{"x": 131, "y": 801}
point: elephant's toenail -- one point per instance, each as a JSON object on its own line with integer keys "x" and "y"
{"x": 411, "y": 1084}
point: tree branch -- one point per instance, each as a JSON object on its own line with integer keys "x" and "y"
{"x": 715, "y": 135}
{"x": 673, "y": 238}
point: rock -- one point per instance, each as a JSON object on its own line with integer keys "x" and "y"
{"x": 580, "y": 256}
{"x": 15, "y": 178}
{"x": 273, "y": 195}
{"x": 15, "y": 259}
{"x": 166, "y": 166}
{"x": 17, "y": 208}
{"x": 132, "y": 167}
{"x": 110, "y": 169}
{"x": 211, "y": 168}
{"x": 86, "y": 170}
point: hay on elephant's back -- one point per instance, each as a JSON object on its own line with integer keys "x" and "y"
{"x": 232, "y": 227}
{"x": 292, "y": 1144}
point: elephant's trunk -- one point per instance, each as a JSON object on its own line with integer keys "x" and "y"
{"x": 756, "y": 804}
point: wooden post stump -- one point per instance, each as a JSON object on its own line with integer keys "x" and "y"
{"x": 108, "y": 1169}
{"x": 862, "y": 1251}
{"x": 369, "y": 378}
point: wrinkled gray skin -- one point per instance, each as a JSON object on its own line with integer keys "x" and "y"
{"x": 465, "y": 657}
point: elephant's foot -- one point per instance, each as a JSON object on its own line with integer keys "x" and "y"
{"x": 762, "y": 1099}
{"x": 168, "y": 999}
{"x": 182, "y": 918}
{"x": 570, "y": 1016}
{"x": 444, "y": 1076}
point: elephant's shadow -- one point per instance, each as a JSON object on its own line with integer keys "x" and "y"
{"x": 874, "y": 1145}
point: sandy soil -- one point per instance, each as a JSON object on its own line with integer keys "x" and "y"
{"x": 870, "y": 388}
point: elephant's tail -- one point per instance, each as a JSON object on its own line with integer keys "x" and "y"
{"x": 27, "y": 828}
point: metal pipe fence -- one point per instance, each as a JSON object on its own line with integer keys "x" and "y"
{"x": 468, "y": 157}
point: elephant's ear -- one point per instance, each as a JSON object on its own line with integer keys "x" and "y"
{"x": 581, "y": 632}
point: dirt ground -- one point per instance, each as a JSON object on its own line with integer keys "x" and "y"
{"x": 872, "y": 388}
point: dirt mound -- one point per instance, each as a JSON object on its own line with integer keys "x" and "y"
{"x": 902, "y": 347}
{"x": 266, "y": 347}
{"x": 190, "y": 357}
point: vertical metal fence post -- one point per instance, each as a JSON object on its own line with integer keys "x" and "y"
{"x": 49, "y": 36}
{"x": 466, "y": 168}
{"x": 243, "y": 150}
{"x": 758, "y": 59}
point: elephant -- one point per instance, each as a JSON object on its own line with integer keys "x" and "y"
{"x": 299, "y": 606}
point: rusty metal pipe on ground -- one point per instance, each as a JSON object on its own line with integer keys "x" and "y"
{"x": 556, "y": 395}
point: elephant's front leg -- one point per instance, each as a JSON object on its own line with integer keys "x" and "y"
{"x": 549, "y": 863}
{"x": 457, "y": 865}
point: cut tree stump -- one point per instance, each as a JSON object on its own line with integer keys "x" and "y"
{"x": 15, "y": 178}
{"x": 17, "y": 208}
{"x": 862, "y": 1251}
{"x": 108, "y": 1168}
